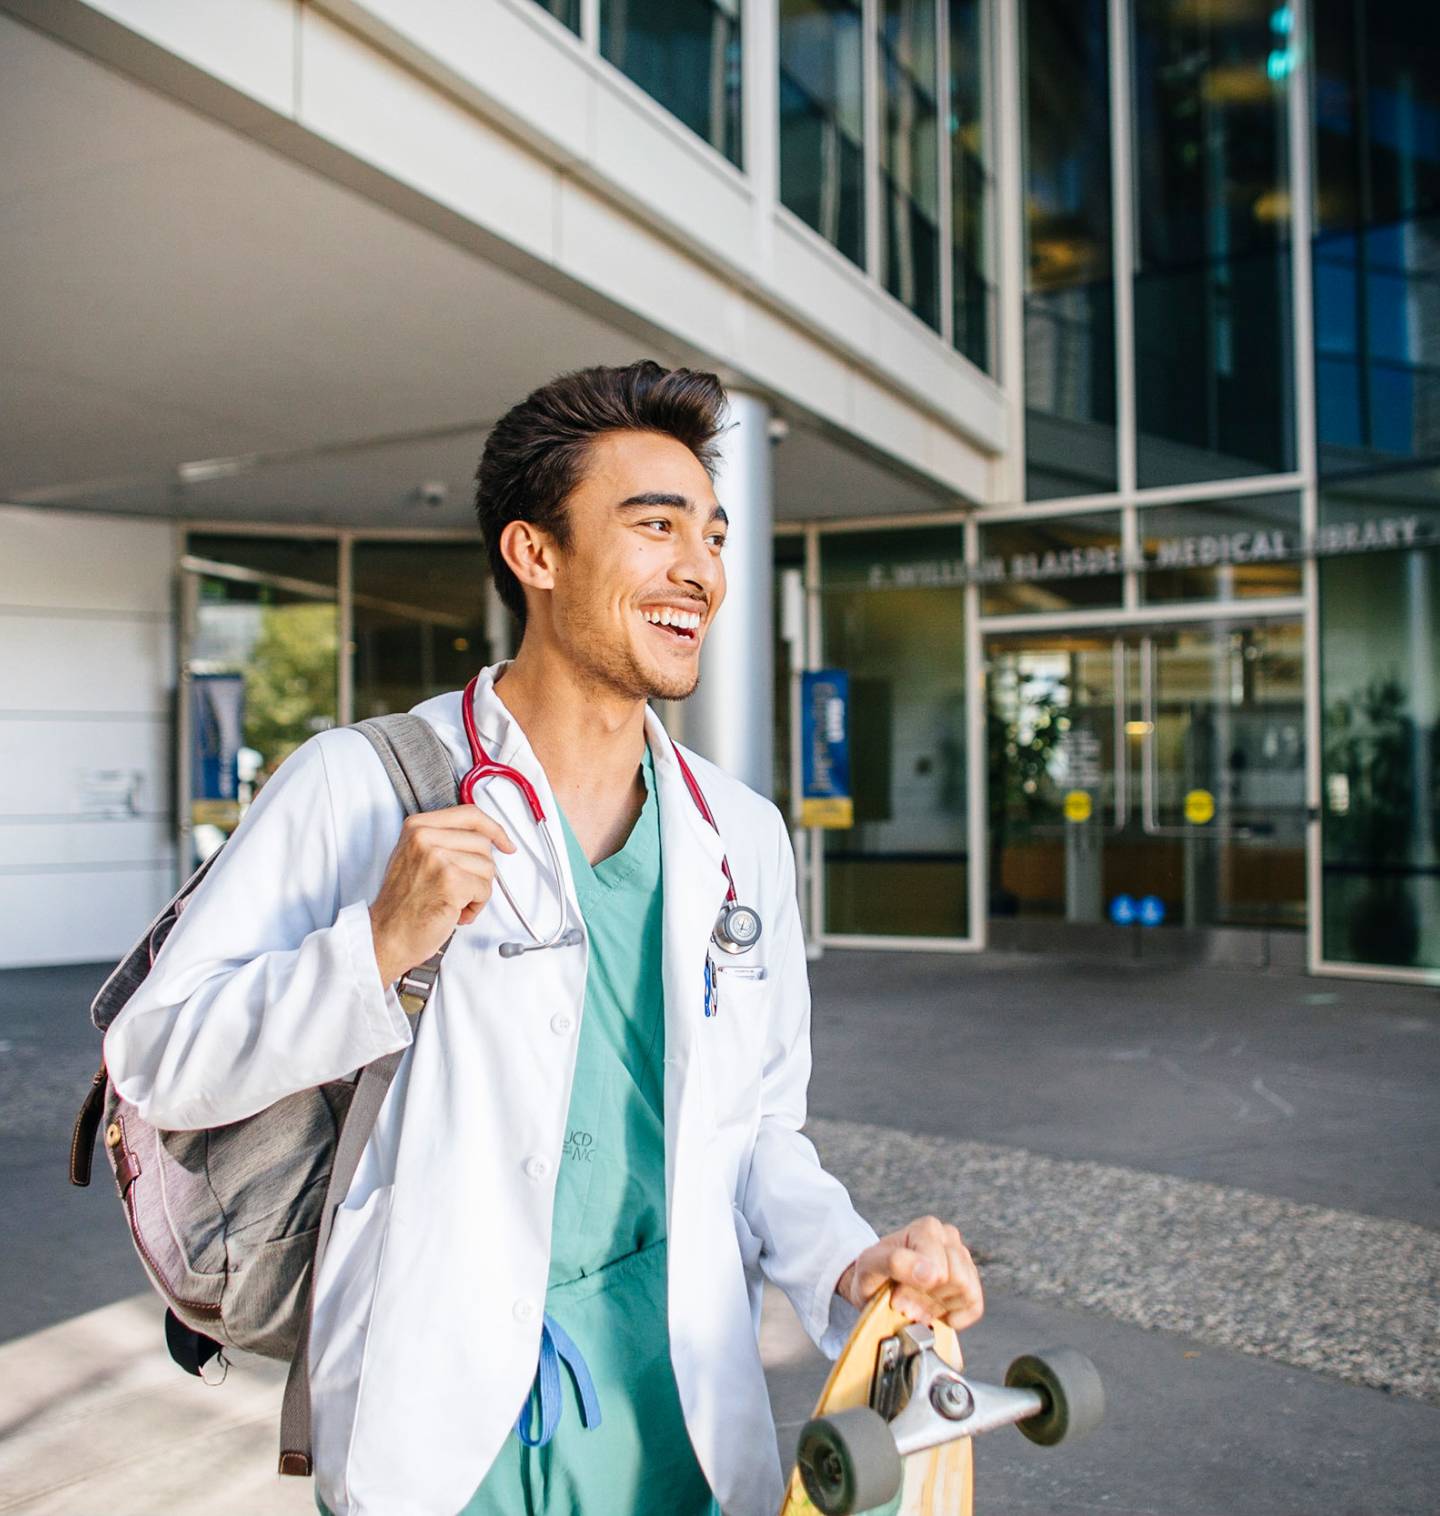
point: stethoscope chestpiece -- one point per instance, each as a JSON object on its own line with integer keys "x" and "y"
{"x": 737, "y": 929}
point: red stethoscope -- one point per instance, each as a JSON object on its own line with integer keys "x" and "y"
{"x": 737, "y": 928}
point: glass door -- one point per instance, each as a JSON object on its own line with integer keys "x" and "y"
{"x": 1151, "y": 776}
{"x": 900, "y": 872}
{"x": 260, "y": 671}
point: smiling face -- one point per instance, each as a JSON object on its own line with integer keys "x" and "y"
{"x": 633, "y": 591}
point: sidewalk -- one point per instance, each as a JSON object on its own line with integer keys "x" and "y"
{"x": 1221, "y": 1185}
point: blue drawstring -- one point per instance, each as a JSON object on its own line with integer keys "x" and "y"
{"x": 555, "y": 1348}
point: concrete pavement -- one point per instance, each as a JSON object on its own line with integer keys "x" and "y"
{"x": 1221, "y": 1185}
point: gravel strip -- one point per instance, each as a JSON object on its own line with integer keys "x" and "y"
{"x": 1343, "y": 1294}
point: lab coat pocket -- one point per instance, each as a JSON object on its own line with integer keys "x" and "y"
{"x": 343, "y": 1304}
{"x": 347, "y": 1288}
{"x": 735, "y": 1038}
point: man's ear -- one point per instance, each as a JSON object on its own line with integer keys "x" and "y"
{"x": 529, "y": 551}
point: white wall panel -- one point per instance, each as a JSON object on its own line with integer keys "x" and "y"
{"x": 85, "y": 663}
{"x": 95, "y": 563}
{"x": 425, "y": 139}
{"x": 517, "y": 60}
{"x": 86, "y": 735}
{"x": 76, "y": 844}
{"x": 247, "y": 43}
{"x": 662, "y": 167}
{"x": 77, "y": 917}
{"x": 51, "y": 765}
{"x": 602, "y": 245}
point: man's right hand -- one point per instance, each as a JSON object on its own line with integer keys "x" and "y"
{"x": 439, "y": 877}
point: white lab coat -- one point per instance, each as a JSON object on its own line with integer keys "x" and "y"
{"x": 429, "y": 1305}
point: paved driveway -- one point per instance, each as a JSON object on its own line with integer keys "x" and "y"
{"x": 1223, "y": 1186}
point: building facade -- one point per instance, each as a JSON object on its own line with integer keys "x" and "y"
{"x": 1083, "y": 356}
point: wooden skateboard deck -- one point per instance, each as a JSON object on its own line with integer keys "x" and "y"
{"x": 938, "y": 1482}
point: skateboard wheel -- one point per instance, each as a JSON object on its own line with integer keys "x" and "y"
{"x": 1070, "y": 1386}
{"x": 848, "y": 1461}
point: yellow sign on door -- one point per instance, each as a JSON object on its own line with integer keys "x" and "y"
{"x": 835, "y": 811}
{"x": 1199, "y": 807}
{"x": 1078, "y": 805}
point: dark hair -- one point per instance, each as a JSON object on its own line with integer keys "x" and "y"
{"x": 535, "y": 454}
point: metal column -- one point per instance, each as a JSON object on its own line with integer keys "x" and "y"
{"x": 730, "y": 717}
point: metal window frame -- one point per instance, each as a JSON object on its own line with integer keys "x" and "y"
{"x": 944, "y": 199}
{"x": 1302, "y": 202}
{"x": 189, "y": 572}
{"x": 1010, "y": 276}
{"x": 977, "y": 835}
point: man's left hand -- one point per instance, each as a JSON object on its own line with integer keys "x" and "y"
{"x": 934, "y": 1275}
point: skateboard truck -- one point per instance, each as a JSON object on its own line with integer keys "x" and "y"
{"x": 853, "y": 1460}
{"x": 926, "y": 1402}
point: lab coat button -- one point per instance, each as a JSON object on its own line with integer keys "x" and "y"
{"x": 561, "y": 1024}
{"x": 524, "y": 1310}
{"x": 537, "y": 1168}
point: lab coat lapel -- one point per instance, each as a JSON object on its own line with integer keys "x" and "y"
{"x": 694, "y": 886}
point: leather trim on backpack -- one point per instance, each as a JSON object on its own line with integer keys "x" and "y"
{"x": 87, "y": 1127}
{"x": 127, "y": 1165}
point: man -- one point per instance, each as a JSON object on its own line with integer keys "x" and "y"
{"x": 592, "y": 1152}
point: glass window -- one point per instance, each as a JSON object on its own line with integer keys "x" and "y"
{"x": 686, "y": 54}
{"x": 418, "y": 614}
{"x": 1059, "y": 564}
{"x": 262, "y": 672}
{"x": 1380, "y": 704}
{"x": 822, "y": 119}
{"x": 971, "y": 184}
{"x": 566, "y": 11}
{"x": 1069, "y": 276}
{"x": 909, "y": 156}
{"x": 1215, "y": 393}
{"x": 1377, "y": 242}
{"x": 903, "y": 868}
{"x": 1220, "y": 550}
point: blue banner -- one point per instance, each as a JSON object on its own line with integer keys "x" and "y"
{"x": 217, "y": 726}
{"x": 825, "y": 797}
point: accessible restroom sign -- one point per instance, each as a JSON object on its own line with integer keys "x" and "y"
{"x": 825, "y": 797}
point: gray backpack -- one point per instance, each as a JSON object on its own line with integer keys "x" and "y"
{"x": 231, "y": 1223}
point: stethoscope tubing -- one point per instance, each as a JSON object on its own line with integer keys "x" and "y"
{"x": 486, "y": 768}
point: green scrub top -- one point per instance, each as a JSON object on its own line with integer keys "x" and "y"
{"x": 607, "y": 1283}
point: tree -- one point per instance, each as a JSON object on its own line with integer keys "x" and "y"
{"x": 290, "y": 681}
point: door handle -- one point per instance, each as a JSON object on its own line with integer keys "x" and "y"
{"x": 1122, "y": 747}
{"x": 1150, "y": 762}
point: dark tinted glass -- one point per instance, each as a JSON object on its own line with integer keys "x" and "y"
{"x": 970, "y": 184}
{"x": 1214, "y": 390}
{"x": 894, "y": 625}
{"x": 909, "y": 155}
{"x": 1069, "y": 279}
{"x": 822, "y": 120}
{"x": 1380, "y": 702}
{"x": 567, "y": 11}
{"x": 1054, "y": 564}
{"x": 686, "y": 53}
{"x": 419, "y": 621}
{"x": 1220, "y": 550}
{"x": 1377, "y": 244}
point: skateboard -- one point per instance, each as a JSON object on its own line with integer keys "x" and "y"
{"x": 893, "y": 1426}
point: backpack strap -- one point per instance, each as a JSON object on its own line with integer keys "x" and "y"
{"x": 420, "y": 769}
